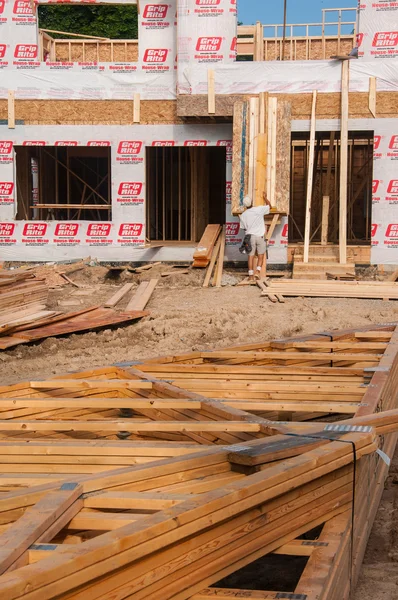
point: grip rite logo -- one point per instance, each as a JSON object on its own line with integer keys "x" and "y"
{"x": 23, "y": 8}
{"x": 34, "y": 230}
{"x": 155, "y": 55}
{"x": 163, "y": 143}
{"x": 99, "y": 143}
{"x": 34, "y": 143}
{"x": 130, "y": 188}
{"x": 6, "y": 188}
{"x": 130, "y": 229}
{"x": 393, "y": 145}
{"x": 208, "y": 44}
{"x": 155, "y": 11}
{"x": 66, "y": 229}
{"x": 129, "y": 148}
{"x": 392, "y": 187}
{"x": 385, "y": 39}
{"x": 5, "y": 147}
{"x": 375, "y": 186}
{"x": 66, "y": 143}
{"x": 195, "y": 143}
{"x": 373, "y": 229}
{"x": 98, "y": 229}
{"x": 7, "y": 229}
{"x": 392, "y": 231}
{"x": 26, "y": 51}
{"x": 232, "y": 229}
{"x": 3, "y": 49}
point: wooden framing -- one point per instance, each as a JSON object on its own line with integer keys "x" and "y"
{"x": 310, "y": 174}
{"x": 343, "y": 162}
{"x": 158, "y": 478}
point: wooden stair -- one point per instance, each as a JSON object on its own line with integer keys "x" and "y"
{"x": 321, "y": 262}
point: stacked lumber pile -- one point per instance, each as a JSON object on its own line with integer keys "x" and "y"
{"x": 54, "y": 324}
{"x": 202, "y": 488}
{"x": 178, "y": 551}
{"x": 384, "y": 290}
{"x": 23, "y": 298}
{"x": 24, "y": 317}
{"x": 204, "y": 250}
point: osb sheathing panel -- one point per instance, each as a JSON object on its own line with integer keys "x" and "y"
{"x": 328, "y": 105}
{"x": 311, "y": 49}
{"x": 86, "y": 112}
{"x": 97, "y": 52}
{"x": 283, "y": 135}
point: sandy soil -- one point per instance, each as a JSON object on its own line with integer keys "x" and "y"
{"x": 183, "y": 317}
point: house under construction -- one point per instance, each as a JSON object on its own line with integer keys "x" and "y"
{"x": 127, "y": 149}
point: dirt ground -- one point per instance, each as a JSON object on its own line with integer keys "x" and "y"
{"x": 184, "y": 317}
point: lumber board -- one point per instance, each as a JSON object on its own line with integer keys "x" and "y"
{"x": 39, "y": 523}
{"x": 142, "y": 296}
{"x": 202, "y": 254}
{"x": 240, "y": 147}
{"x": 310, "y": 176}
{"x": 343, "y": 162}
{"x": 115, "y": 298}
{"x": 220, "y": 262}
{"x": 212, "y": 262}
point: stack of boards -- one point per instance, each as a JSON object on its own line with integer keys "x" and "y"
{"x": 24, "y": 316}
{"x": 210, "y": 253}
{"x": 159, "y": 478}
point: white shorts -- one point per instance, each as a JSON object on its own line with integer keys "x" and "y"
{"x": 259, "y": 245}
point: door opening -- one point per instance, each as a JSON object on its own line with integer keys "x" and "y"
{"x": 185, "y": 191}
{"x": 325, "y": 189}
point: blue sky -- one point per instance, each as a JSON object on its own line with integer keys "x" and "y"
{"x": 298, "y": 11}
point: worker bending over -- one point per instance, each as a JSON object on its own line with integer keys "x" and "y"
{"x": 252, "y": 221}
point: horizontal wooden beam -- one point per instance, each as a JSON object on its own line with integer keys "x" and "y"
{"x": 113, "y": 384}
{"x": 128, "y": 425}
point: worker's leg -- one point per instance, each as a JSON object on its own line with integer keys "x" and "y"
{"x": 261, "y": 248}
{"x": 250, "y": 260}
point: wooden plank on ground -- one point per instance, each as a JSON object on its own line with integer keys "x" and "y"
{"x": 115, "y": 298}
{"x": 142, "y": 295}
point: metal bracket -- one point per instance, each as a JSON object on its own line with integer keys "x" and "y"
{"x": 69, "y": 486}
{"x": 348, "y": 428}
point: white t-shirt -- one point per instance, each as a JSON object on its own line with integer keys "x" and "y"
{"x": 252, "y": 220}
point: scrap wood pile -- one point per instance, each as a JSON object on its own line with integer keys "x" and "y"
{"x": 384, "y": 290}
{"x": 150, "y": 480}
{"x": 24, "y": 316}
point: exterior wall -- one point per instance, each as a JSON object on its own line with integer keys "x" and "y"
{"x": 205, "y": 38}
{"x": 378, "y": 29}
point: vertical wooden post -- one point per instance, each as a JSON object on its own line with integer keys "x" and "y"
{"x": 137, "y": 108}
{"x": 326, "y": 197}
{"x": 261, "y": 158}
{"x": 11, "y": 109}
{"x": 211, "y": 94}
{"x": 343, "y": 163}
{"x": 310, "y": 171}
{"x": 253, "y": 133}
{"x": 258, "y": 42}
{"x": 372, "y": 95}
{"x": 271, "y": 152}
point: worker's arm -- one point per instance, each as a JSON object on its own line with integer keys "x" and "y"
{"x": 266, "y": 201}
